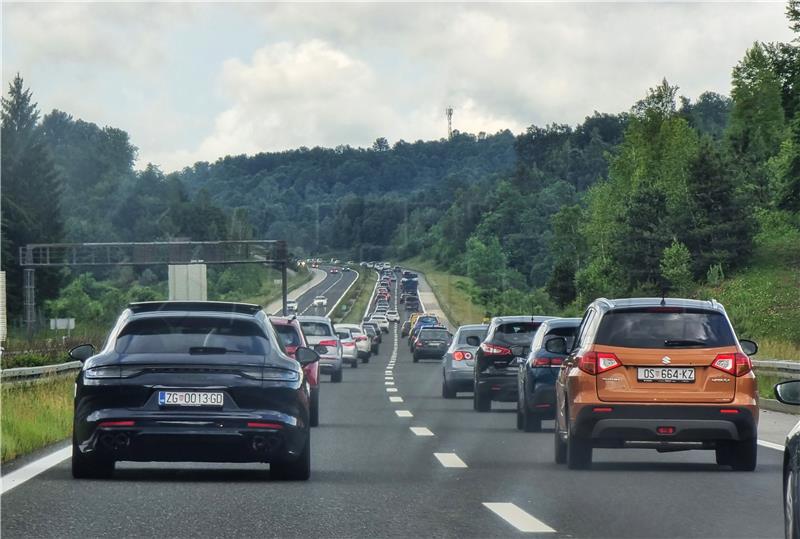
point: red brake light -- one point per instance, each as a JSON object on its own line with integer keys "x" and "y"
{"x": 541, "y": 362}
{"x": 728, "y": 411}
{"x": 494, "y": 350}
{"x": 598, "y": 362}
{"x": 260, "y": 425}
{"x": 116, "y": 424}
{"x": 459, "y": 355}
{"x": 348, "y": 343}
{"x": 327, "y": 343}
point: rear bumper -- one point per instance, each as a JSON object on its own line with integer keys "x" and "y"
{"x": 329, "y": 365}
{"x": 641, "y": 423}
{"x": 460, "y": 380}
{"x": 499, "y": 388}
{"x": 542, "y": 400}
{"x": 432, "y": 353}
{"x": 195, "y": 437}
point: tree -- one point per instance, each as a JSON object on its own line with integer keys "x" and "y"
{"x": 381, "y": 145}
{"x": 757, "y": 125}
{"x": 561, "y": 285}
{"x": 31, "y": 192}
{"x": 676, "y": 267}
{"x": 721, "y": 229}
{"x": 793, "y": 14}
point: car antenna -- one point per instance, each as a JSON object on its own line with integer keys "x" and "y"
{"x": 663, "y": 297}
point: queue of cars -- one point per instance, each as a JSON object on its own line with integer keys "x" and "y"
{"x": 660, "y": 373}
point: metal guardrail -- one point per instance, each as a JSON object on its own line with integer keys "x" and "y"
{"x": 26, "y": 374}
{"x": 787, "y": 369}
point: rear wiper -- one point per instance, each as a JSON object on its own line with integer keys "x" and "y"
{"x": 683, "y": 342}
{"x": 212, "y": 350}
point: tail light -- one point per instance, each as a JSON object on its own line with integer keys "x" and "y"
{"x": 260, "y": 425}
{"x": 548, "y": 361}
{"x": 494, "y": 350}
{"x": 458, "y": 355}
{"x": 328, "y": 343}
{"x": 736, "y": 364}
{"x": 104, "y": 424}
{"x": 598, "y": 362}
{"x": 348, "y": 343}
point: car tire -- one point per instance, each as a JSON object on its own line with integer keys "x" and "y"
{"x": 579, "y": 451}
{"x": 297, "y": 470}
{"x": 744, "y": 455}
{"x": 365, "y": 359}
{"x": 519, "y": 418}
{"x": 559, "y": 447}
{"x": 354, "y": 363}
{"x": 530, "y": 421}
{"x": 415, "y": 357}
{"x": 447, "y": 392}
{"x": 336, "y": 376}
{"x": 791, "y": 528}
{"x": 90, "y": 467}
{"x": 313, "y": 417}
{"x": 481, "y": 401}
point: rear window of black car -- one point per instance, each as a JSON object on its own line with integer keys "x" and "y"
{"x": 462, "y": 335}
{"x": 288, "y": 335}
{"x": 433, "y": 335}
{"x": 517, "y": 332}
{"x": 191, "y": 334}
{"x": 316, "y": 329}
{"x": 664, "y": 327}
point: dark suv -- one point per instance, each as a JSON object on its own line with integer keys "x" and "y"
{"x": 507, "y": 343}
{"x": 432, "y": 342}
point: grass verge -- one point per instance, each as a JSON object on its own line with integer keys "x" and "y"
{"x": 357, "y": 298}
{"x": 452, "y": 292}
{"x": 35, "y": 415}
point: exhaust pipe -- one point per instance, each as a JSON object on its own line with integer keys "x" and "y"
{"x": 108, "y": 441}
{"x": 115, "y": 441}
{"x": 259, "y": 443}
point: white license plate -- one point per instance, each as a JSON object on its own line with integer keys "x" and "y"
{"x": 678, "y": 375}
{"x": 189, "y": 398}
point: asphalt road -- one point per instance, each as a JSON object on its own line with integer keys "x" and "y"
{"x": 373, "y": 476}
{"x": 332, "y": 287}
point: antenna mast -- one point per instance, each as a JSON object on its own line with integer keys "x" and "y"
{"x": 449, "y": 113}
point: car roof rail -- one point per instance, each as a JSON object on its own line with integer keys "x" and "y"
{"x": 204, "y": 306}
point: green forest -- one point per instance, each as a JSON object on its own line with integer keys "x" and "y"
{"x": 686, "y": 196}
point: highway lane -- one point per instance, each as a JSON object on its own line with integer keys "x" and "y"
{"x": 332, "y": 287}
{"x": 373, "y": 476}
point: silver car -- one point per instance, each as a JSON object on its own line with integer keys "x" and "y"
{"x": 363, "y": 341}
{"x": 458, "y": 362}
{"x": 349, "y": 349}
{"x": 321, "y": 336}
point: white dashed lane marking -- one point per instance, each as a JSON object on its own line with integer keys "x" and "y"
{"x": 391, "y": 390}
{"x": 518, "y": 518}
{"x": 388, "y": 383}
{"x": 450, "y": 460}
{"x": 403, "y": 413}
{"x": 421, "y": 431}
{"x": 771, "y": 445}
{"x": 395, "y": 399}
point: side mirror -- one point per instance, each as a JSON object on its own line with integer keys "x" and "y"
{"x": 556, "y": 345}
{"x": 788, "y": 392}
{"x": 82, "y": 352}
{"x": 306, "y": 356}
{"x": 749, "y": 347}
{"x": 472, "y": 340}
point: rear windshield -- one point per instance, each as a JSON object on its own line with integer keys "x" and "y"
{"x": 517, "y": 332}
{"x": 184, "y": 335}
{"x": 316, "y": 329}
{"x": 369, "y": 330}
{"x": 288, "y": 335}
{"x": 426, "y": 320}
{"x": 434, "y": 335}
{"x": 343, "y": 334}
{"x": 567, "y": 332}
{"x": 462, "y": 335}
{"x": 664, "y": 328}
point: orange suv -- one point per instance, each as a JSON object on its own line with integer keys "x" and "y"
{"x": 666, "y": 374}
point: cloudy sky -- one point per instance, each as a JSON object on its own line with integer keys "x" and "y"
{"x": 198, "y": 81}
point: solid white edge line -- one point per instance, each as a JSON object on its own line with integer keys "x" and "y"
{"x": 29, "y": 471}
{"x": 450, "y": 460}
{"x": 777, "y": 447}
{"x": 292, "y": 294}
{"x": 403, "y": 413}
{"x": 518, "y": 518}
{"x": 421, "y": 431}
